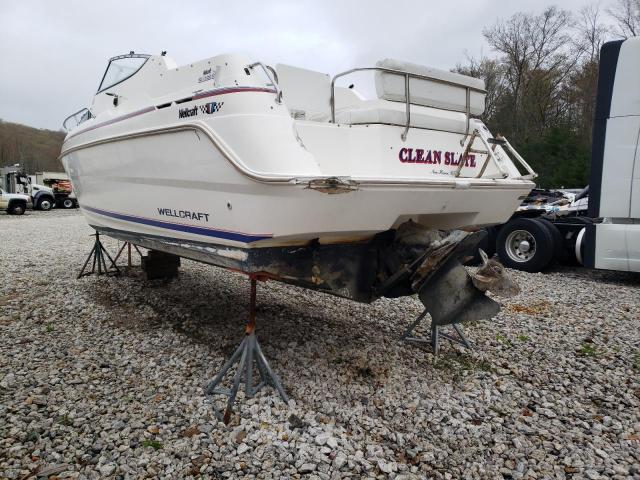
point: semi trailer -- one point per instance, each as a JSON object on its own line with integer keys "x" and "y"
{"x": 600, "y": 226}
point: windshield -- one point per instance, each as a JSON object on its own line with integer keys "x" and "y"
{"x": 120, "y": 68}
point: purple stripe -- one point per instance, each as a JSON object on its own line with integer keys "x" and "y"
{"x": 209, "y": 232}
{"x": 114, "y": 120}
{"x": 209, "y": 93}
{"x": 222, "y": 91}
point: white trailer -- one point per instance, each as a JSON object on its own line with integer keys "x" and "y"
{"x": 614, "y": 185}
{"x": 607, "y": 236}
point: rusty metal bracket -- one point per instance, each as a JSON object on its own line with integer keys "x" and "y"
{"x": 333, "y": 185}
{"x": 248, "y": 353}
{"x": 128, "y": 246}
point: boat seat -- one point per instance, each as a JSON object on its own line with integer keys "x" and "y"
{"x": 307, "y": 93}
{"x": 430, "y": 92}
{"x": 394, "y": 113}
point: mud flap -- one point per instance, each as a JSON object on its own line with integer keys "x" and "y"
{"x": 450, "y": 296}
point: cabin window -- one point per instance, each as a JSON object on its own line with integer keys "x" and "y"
{"x": 121, "y": 68}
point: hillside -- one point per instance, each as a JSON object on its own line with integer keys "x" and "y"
{"x": 33, "y": 148}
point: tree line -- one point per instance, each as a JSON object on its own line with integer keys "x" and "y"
{"x": 542, "y": 79}
{"x": 34, "y": 149}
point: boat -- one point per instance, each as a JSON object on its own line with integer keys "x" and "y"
{"x": 219, "y": 158}
{"x": 290, "y": 174}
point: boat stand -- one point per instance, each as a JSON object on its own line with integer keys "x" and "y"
{"x": 245, "y": 355}
{"x": 128, "y": 246}
{"x": 436, "y": 335}
{"x": 97, "y": 256}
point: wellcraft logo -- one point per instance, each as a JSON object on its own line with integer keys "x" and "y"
{"x": 206, "y": 109}
{"x": 187, "y": 214}
{"x": 211, "y": 107}
{"x": 187, "y": 112}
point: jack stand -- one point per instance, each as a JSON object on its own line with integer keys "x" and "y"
{"x": 248, "y": 352}
{"x": 436, "y": 334}
{"x": 127, "y": 245}
{"x": 98, "y": 254}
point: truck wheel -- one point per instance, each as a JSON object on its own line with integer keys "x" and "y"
{"x": 558, "y": 241}
{"x": 17, "y": 208}
{"x": 45, "y": 204}
{"x": 67, "y": 203}
{"x": 487, "y": 244}
{"x": 525, "y": 244}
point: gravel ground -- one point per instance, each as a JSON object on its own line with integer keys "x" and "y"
{"x": 102, "y": 377}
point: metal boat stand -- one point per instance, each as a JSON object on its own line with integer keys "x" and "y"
{"x": 97, "y": 256}
{"x": 245, "y": 355}
{"x": 436, "y": 334}
{"x": 128, "y": 246}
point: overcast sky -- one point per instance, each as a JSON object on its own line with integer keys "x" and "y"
{"x": 53, "y": 53}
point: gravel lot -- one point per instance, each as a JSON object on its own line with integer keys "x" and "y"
{"x": 102, "y": 377}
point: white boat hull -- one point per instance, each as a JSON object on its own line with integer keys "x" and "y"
{"x": 230, "y": 166}
{"x": 179, "y": 185}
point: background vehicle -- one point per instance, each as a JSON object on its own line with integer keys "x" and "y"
{"x": 45, "y": 189}
{"x": 605, "y": 231}
{"x": 14, "y": 203}
{"x": 53, "y": 190}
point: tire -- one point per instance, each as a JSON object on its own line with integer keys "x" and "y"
{"x": 492, "y": 236}
{"x": 67, "y": 203}
{"x": 558, "y": 241}
{"x": 17, "y": 208}
{"x": 487, "y": 244}
{"x": 531, "y": 256}
{"x": 45, "y": 204}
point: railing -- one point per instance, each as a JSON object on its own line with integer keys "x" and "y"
{"x": 268, "y": 71}
{"x": 407, "y": 94}
{"x": 86, "y": 115}
{"x": 490, "y": 153}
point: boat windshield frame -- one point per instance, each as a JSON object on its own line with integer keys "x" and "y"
{"x": 120, "y": 57}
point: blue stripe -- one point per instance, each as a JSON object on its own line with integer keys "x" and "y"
{"x": 209, "y": 232}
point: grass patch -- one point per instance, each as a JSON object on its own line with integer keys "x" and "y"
{"x": 65, "y": 420}
{"x": 588, "y": 350}
{"x": 636, "y": 360}
{"x": 523, "y": 338}
{"x": 457, "y": 363}
{"x": 156, "y": 445}
{"x": 504, "y": 340}
{"x": 49, "y": 327}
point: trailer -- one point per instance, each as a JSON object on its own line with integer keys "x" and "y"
{"x": 598, "y": 227}
{"x": 52, "y": 189}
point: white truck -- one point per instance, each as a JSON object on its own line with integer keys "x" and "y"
{"x": 607, "y": 234}
{"x": 45, "y": 189}
{"x": 14, "y": 203}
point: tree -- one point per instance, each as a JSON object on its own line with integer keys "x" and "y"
{"x": 591, "y": 32}
{"x": 626, "y": 14}
{"x": 541, "y": 87}
{"x": 534, "y": 56}
{"x": 492, "y": 72}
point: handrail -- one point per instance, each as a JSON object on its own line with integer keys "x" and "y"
{"x": 532, "y": 173}
{"x": 407, "y": 76}
{"x": 274, "y": 80}
{"x": 491, "y": 155}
